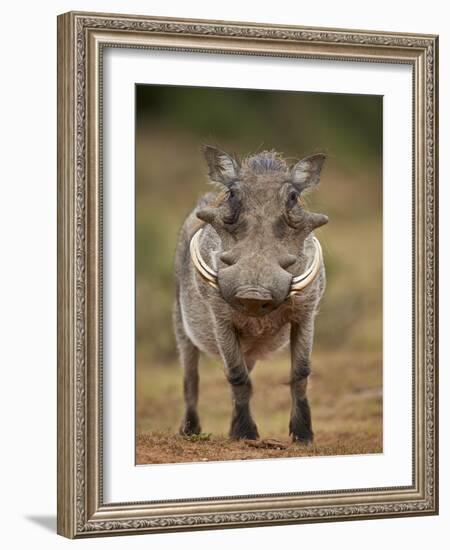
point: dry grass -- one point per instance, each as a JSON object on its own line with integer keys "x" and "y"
{"x": 346, "y": 401}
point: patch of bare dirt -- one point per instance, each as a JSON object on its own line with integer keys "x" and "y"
{"x": 162, "y": 448}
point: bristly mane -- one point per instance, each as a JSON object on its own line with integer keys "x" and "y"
{"x": 266, "y": 161}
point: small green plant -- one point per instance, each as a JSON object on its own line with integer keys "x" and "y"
{"x": 199, "y": 437}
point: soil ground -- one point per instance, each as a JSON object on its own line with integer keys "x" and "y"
{"x": 345, "y": 393}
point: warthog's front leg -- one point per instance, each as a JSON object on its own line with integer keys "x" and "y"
{"x": 301, "y": 344}
{"x": 189, "y": 356}
{"x": 237, "y": 373}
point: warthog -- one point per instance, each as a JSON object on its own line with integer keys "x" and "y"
{"x": 249, "y": 278}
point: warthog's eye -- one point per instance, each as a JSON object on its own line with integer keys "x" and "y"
{"x": 293, "y": 214}
{"x": 292, "y": 199}
{"x": 234, "y": 206}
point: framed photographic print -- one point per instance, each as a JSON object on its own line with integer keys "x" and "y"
{"x": 247, "y": 276}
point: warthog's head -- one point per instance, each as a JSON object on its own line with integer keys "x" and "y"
{"x": 262, "y": 224}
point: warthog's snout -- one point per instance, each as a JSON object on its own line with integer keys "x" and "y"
{"x": 254, "y": 301}
{"x": 254, "y": 285}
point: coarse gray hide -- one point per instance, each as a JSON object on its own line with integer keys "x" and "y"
{"x": 257, "y": 235}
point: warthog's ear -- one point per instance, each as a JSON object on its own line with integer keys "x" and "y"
{"x": 306, "y": 173}
{"x": 223, "y": 168}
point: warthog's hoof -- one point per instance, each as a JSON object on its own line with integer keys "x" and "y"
{"x": 300, "y": 433}
{"x": 244, "y": 431}
{"x": 190, "y": 424}
{"x": 302, "y": 440}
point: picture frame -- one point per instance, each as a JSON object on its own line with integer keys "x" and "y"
{"x": 82, "y": 41}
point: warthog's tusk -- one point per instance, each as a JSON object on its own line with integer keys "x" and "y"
{"x": 302, "y": 281}
{"x": 203, "y": 268}
{"x": 298, "y": 283}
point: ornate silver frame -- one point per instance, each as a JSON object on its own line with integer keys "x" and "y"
{"x": 81, "y": 39}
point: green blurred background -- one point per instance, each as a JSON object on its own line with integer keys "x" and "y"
{"x": 171, "y": 124}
